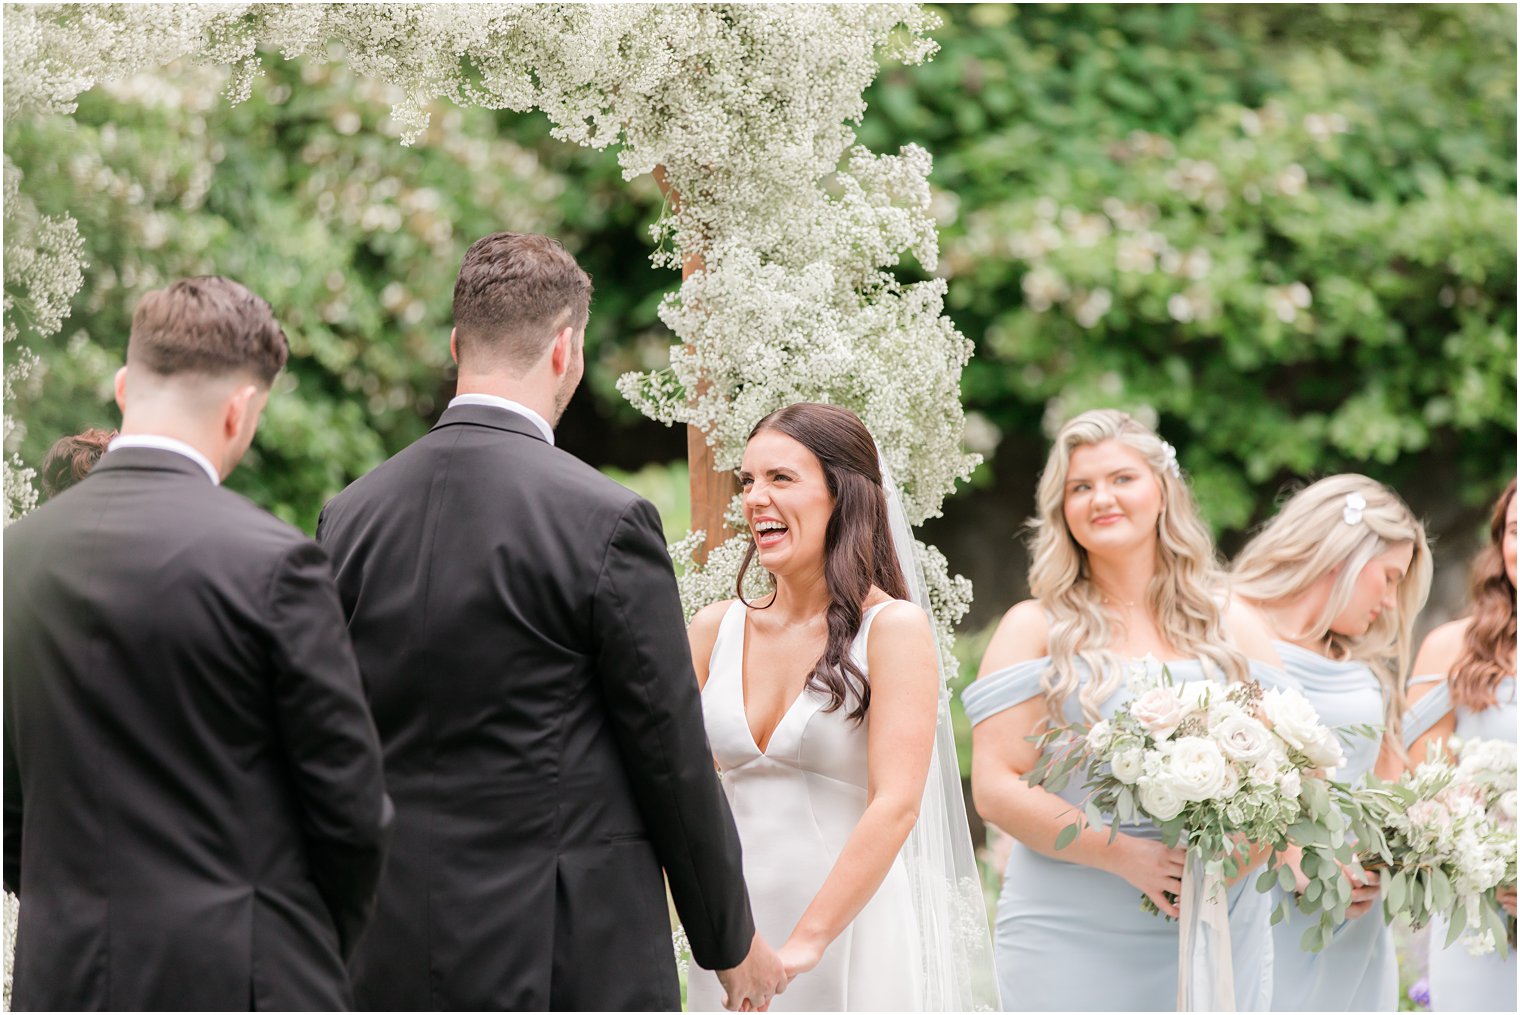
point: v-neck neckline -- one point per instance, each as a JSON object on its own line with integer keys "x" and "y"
{"x": 792, "y": 705}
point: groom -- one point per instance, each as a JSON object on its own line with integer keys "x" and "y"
{"x": 517, "y": 623}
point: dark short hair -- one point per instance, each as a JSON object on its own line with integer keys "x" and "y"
{"x": 71, "y": 458}
{"x": 514, "y": 293}
{"x": 207, "y": 325}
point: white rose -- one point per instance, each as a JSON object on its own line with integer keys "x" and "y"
{"x": 1242, "y": 738}
{"x": 1292, "y": 717}
{"x": 1197, "y": 770}
{"x": 1159, "y": 710}
{"x": 1291, "y": 784}
{"x": 1159, "y": 800}
{"x": 1128, "y": 765}
{"x": 1325, "y": 751}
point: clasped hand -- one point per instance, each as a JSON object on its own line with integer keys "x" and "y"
{"x": 751, "y": 984}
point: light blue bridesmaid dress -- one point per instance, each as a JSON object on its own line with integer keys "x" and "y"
{"x": 1358, "y": 970}
{"x": 1074, "y": 938}
{"x": 1459, "y": 981}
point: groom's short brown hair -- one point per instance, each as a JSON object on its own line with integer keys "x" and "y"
{"x": 207, "y": 325}
{"x": 514, "y": 294}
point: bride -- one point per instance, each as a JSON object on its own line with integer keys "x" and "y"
{"x": 826, "y": 714}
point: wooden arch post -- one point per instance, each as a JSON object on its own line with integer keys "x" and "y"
{"x": 711, "y": 490}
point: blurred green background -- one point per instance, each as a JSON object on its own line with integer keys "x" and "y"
{"x": 1285, "y": 234}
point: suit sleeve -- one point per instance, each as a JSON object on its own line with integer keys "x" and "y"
{"x": 645, "y": 666}
{"x": 329, "y": 739}
{"x": 12, "y": 810}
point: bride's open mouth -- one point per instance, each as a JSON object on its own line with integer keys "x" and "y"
{"x": 768, "y": 534}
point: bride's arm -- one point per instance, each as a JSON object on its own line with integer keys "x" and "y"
{"x": 900, "y": 741}
{"x": 1001, "y": 756}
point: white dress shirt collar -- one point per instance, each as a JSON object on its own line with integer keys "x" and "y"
{"x": 475, "y": 398}
{"x": 179, "y": 447}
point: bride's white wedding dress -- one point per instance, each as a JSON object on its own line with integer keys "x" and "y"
{"x": 796, "y": 803}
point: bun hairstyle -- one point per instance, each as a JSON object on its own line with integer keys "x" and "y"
{"x": 1322, "y": 528}
{"x": 1182, "y": 594}
{"x": 857, "y": 545}
{"x": 71, "y": 458}
{"x": 1488, "y": 647}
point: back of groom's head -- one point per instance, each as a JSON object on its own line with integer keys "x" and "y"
{"x": 207, "y": 325}
{"x": 515, "y": 292}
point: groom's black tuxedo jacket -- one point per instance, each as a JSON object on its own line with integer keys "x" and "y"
{"x": 194, "y": 810}
{"x": 517, "y": 624}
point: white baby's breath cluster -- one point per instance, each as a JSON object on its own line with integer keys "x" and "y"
{"x": 749, "y": 109}
{"x": 42, "y": 274}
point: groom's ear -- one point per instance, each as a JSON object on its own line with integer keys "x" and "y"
{"x": 454, "y": 345}
{"x": 121, "y": 389}
{"x": 562, "y": 353}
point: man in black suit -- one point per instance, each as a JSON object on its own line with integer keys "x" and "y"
{"x": 194, "y": 809}
{"x": 517, "y": 623}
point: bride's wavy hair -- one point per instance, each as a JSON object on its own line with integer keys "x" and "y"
{"x": 1488, "y": 647}
{"x": 1311, "y": 537}
{"x": 857, "y": 545}
{"x": 1181, "y": 595}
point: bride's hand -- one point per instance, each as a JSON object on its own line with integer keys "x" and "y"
{"x": 798, "y": 957}
{"x": 1151, "y": 867}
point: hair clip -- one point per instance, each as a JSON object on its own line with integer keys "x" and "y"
{"x": 1355, "y": 505}
{"x": 1170, "y": 454}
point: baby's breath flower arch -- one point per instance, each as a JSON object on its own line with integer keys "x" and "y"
{"x": 748, "y": 109}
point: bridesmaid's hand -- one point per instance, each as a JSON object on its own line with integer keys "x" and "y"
{"x": 1151, "y": 867}
{"x": 1507, "y": 900}
{"x": 1366, "y": 886}
{"x": 798, "y": 957}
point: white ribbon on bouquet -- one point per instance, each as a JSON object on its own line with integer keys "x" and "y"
{"x": 1205, "y": 970}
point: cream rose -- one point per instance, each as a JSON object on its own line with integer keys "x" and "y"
{"x": 1293, "y": 718}
{"x": 1242, "y": 738}
{"x": 1160, "y": 800}
{"x": 1197, "y": 769}
{"x": 1159, "y": 710}
{"x": 1325, "y": 751}
{"x": 1128, "y": 765}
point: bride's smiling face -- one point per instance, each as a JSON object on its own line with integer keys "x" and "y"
{"x": 786, "y": 502}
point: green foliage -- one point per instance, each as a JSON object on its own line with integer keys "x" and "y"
{"x": 1285, "y": 235}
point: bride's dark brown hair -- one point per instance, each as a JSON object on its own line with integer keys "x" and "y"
{"x": 857, "y": 545}
{"x": 1488, "y": 647}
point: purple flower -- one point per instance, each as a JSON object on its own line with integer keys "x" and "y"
{"x": 1419, "y": 992}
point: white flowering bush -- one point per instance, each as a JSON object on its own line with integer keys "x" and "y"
{"x": 1218, "y": 770}
{"x": 1449, "y": 840}
{"x": 748, "y": 109}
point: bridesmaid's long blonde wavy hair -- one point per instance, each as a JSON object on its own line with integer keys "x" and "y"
{"x": 1181, "y": 595}
{"x": 1312, "y": 536}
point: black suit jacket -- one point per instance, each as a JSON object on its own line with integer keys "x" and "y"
{"x": 194, "y": 810}
{"x": 520, "y": 635}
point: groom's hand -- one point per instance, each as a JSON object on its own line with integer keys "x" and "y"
{"x": 751, "y": 984}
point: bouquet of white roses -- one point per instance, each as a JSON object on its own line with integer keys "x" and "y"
{"x": 1448, "y": 839}
{"x": 1219, "y": 770}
